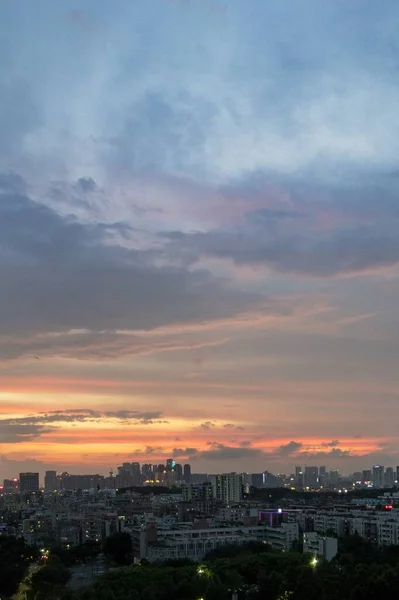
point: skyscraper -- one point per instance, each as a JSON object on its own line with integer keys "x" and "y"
{"x": 227, "y": 487}
{"x": 170, "y": 464}
{"x": 311, "y": 476}
{"x": 389, "y": 477}
{"x": 322, "y": 476}
{"x": 50, "y": 481}
{"x": 147, "y": 471}
{"x": 298, "y": 476}
{"x": 378, "y": 476}
{"x": 187, "y": 473}
{"x": 178, "y": 472}
{"x": 28, "y": 482}
{"x": 367, "y": 476}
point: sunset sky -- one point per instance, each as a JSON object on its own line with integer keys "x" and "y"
{"x": 199, "y": 234}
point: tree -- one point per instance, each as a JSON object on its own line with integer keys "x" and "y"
{"x": 118, "y": 546}
{"x": 15, "y": 557}
{"x": 49, "y": 581}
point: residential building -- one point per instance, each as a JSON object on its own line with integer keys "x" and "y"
{"x": 227, "y": 487}
{"x": 187, "y": 473}
{"x": 378, "y": 476}
{"x": 311, "y": 478}
{"x": 28, "y": 482}
{"x": 320, "y": 545}
{"x": 50, "y": 481}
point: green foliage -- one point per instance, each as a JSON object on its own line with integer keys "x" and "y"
{"x": 15, "y": 558}
{"x": 118, "y": 547}
{"x": 49, "y": 581}
{"x": 359, "y": 572}
{"x": 78, "y": 554}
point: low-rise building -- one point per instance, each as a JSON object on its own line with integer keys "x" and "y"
{"x": 320, "y": 545}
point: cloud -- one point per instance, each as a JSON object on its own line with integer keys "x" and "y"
{"x": 289, "y": 449}
{"x": 207, "y": 425}
{"x": 142, "y": 418}
{"x": 17, "y": 433}
{"x": 19, "y": 115}
{"x": 232, "y": 426}
{"x": 184, "y": 452}
{"x": 331, "y": 444}
{"x": 222, "y": 452}
{"x": 349, "y": 249}
{"x": 30, "y": 427}
{"x": 64, "y": 275}
{"x": 97, "y": 345}
{"x": 334, "y": 453}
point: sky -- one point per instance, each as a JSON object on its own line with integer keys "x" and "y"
{"x": 199, "y": 250}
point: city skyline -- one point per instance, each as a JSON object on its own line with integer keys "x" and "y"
{"x": 198, "y": 235}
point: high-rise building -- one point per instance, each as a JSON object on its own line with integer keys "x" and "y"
{"x": 28, "y": 482}
{"x": 257, "y": 480}
{"x": 311, "y": 478}
{"x": 227, "y": 487}
{"x": 322, "y": 476}
{"x": 187, "y": 473}
{"x": 136, "y": 474}
{"x": 334, "y": 478}
{"x": 197, "y": 492}
{"x": 378, "y": 476}
{"x": 147, "y": 471}
{"x": 170, "y": 464}
{"x": 389, "y": 477}
{"x": 11, "y": 485}
{"x": 50, "y": 481}
{"x": 299, "y": 477}
{"x": 367, "y": 476}
{"x": 178, "y": 472}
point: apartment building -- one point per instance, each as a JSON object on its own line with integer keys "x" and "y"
{"x": 320, "y": 545}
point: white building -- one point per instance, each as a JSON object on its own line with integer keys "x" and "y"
{"x": 188, "y": 542}
{"x": 227, "y": 487}
{"x": 320, "y": 545}
{"x": 329, "y": 522}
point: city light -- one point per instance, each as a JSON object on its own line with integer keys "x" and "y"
{"x": 314, "y": 561}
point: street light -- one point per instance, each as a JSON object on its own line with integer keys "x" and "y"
{"x": 314, "y": 561}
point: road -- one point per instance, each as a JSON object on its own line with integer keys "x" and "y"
{"x": 24, "y": 585}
